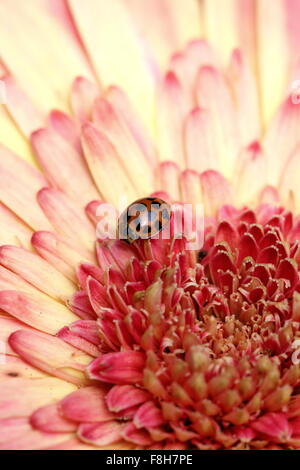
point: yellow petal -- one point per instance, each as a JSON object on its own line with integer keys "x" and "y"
{"x": 12, "y": 137}
{"x": 13, "y": 230}
{"x": 51, "y": 354}
{"x": 174, "y": 25}
{"x": 272, "y": 36}
{"x": 12, "y": 367}
{"x": 25, "y": 114}
{"x": 172, "y": 107}
{"x": 214, "y": 95}
{"x": 250, "y": 174}
{"x": 105, "y": 165}
{"x": 200, "y": 141}
{"x": 64, "y": 215}
{"x": 36, "y": 271}
{"x": 39, "y": 312}
{"x": 221, "y": 25}
{"x": 168, "y": 175}
{"x": 116, "y": 50}
{"x": 20, "y": 397}
{"x": 36, "y": 52}
{"x": 191, "y": 187}
{"x": 289, "y": 181}
{"x": 19, "y": 183}
{"x": 246, "y": 97}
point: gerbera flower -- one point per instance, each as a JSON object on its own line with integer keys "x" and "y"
{"x": 149, "y": 345}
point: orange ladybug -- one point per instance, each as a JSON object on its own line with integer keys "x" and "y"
{"x": 143, "y": 219}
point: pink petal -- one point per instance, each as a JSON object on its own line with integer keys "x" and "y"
{"x": 85, "y": 272}
{"x": 288, "y": 270}
{"x": 216, "y": 191}
{"x": 27, "y": 116}
{"x": 174, "y": 26}
{"x": 65, "y": 215}
{"x": 288, "y": 178}
{"x": 118, "y": 253}
{"x": 148, "y": 416}
{"x": 35, "y": 393}
{"x": 273, "y": 36}
{"x": 19, "y": 183}
{"x": 107, "y": 118}
{"x": 213, "y": 94}
{"x": 274, "y": 425}
{"x": 17, "y": 434}
{"x": 92, "y": 210}
{"x": 229, "y": 24}
{"x": 38, "y": 28}
{"x": 12, "y": 367}
{"x": 13, "y": 427}
{"x": 121, "y": 397}
{"x": 9, "y": 325}
{"x": 34, "y": 440}
{"x": 251, "y": 173}
{"x": 247, "y": 247}
{"x": 16, "y": 232}
{"x": 137, "y": 436}
{"x": 242, "y": 78}
{"x": 226, "y": 233}
{"x": 153, "y": 297}
{"x": 78, "y": 342}
{"x": 269, "y": 195}
{"x": 172, "y": 107}
{"x": 168, "y": 174}
{"x": 97, "y": 296}
{"x": 127, "y": 114}
{"x": 199, "y": 140}
{"x": 118, "y": 368}
{"x": 51, "y": 355}
{"x": 87, "y": 404}
{"x": 196, "y": 54}
{"x": 83, "y": 95}
{"x": 105, "y": 166}
{"x": 38, "y": 311}
{"x": 64, "y": 165}
{"x": 72, "y": 443}
{"x": 280, "y": 144}
{"x": 100, "y": 434}
{"x": 48, "y": 419}
{"x": 86, "y": 329}
{"x": 36, "y": 271}
{"x": 59, "y": 253}
{"x": 138, "y": 80}
{"x": 11, "y": 135}
{"x": 66, "y": 127}
{"x": 191, "y": 187}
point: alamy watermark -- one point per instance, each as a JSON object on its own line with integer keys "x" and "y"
{"x": 184, "y": 221}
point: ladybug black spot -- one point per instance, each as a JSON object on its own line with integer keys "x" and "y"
{"x": 147, "y": 230}
{"x": 158, "y": 225}
{"x": 201, "y": 255}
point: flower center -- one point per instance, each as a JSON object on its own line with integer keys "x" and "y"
{"x": 198, "y": 347}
